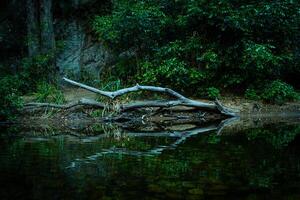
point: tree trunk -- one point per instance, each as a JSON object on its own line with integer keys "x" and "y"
{"x": 33, "y": 32}
{"x": 48, "y": 38}
{"x": 47, "y": 30}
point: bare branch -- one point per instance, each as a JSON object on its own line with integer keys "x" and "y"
{"x": 168, "y": 104}
{"x": 91, "y": 89}
{"x": 180, "y": 100}
{"x": 81, "y": 102}
{"x": 121, "y": 92}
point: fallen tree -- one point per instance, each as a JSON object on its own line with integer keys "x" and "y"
{"x": 178, "y": 100}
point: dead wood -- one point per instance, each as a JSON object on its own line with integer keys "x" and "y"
{"x": 180, "y": 100}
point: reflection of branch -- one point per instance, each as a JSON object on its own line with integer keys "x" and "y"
{"x": 225, "y": 123}
{"x": 181, "y": 135}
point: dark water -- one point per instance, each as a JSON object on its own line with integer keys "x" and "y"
{"x": 242, "y": 163}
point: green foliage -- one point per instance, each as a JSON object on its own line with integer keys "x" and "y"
{"x": 172, "y": 73}
{"x": 32, "y": 76}
{"x": 187, "y": 44}
{"x": 259, "y": 56}
{"x": 210, "y": 59}
{"x": 96, "y": 113}
{"x": 112, "y": 86}
{"x": 35, "y": 70}
{"x": 278, "y": 92}
{"x": 213, "y": 93}
{"x": 47, "y": 93}
{"x": 132, "y": 23}
{"x": 10, "y": 99}
{"x": 251, "y": 94}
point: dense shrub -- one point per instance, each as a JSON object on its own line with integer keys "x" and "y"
{"x": 251, "y": 94}
{"x": 189, "y": 44}
{"x": 278, "y": 92}
{"x": 10, "y": 99}
{"x": 213, "y": 93}
{"x": 140, "y": 19}
{"x": 32, "y": 76}
{"x": 172, "y": 73}
{"x": 35, "y": 70}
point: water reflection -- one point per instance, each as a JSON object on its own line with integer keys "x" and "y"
{"x": 213, "y": 161}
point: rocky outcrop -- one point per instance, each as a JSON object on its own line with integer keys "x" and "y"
{"x": 94, "y": 55}
{"x": 80, "y": 52}
{"x": 71, "y": 36}
{"x": 23, "y": 24}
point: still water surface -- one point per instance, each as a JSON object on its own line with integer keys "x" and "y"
{"x": 260, "y": 162}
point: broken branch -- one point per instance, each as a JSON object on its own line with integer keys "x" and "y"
{"x": 181, "y": 100}
{"x": 81, "y": 102}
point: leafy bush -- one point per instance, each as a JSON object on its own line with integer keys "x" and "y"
{"x": 251, "y": 94}
{"x": 48, "y": 93}
{"x": 10, "y": 99}
{"x": 278, "y": 92}
{"x": 210, "y": 59}
{"x": 132, "y": 23}
{"x": 170, "y": 73}
{"x": 259, "y": 56}
{"x": 35, "y": 70}
{"x": 184, "y": 44}
{"x": 213, "y": 93}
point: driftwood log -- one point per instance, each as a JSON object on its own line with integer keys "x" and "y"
{"x": 179, "y": 100}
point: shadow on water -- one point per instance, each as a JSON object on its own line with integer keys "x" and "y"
{"x": 232, "y": 159}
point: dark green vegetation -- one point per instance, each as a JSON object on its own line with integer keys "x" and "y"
{"x": 9, "y": 99}
{"x": 193, "y": 45}
{"x": 201, "y": 48}
{"x": 255, "y": 163}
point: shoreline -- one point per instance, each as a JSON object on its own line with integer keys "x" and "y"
{"x": 246, "y": 109}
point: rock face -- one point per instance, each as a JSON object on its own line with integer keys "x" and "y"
{"x": 94, "y": 55}
{"x": 80, "y": 53}
{"x": 72, "y": 38}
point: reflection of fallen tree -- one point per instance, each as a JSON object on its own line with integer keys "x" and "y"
{"x": 181, "y": 137}
{"x": 112, "y": 134}
{"x": 178, "y": 101}
{"x": 98, "y": 128}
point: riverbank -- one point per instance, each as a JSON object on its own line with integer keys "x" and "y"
{"x": 90, "y": 122}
